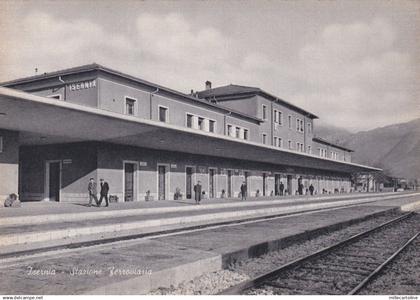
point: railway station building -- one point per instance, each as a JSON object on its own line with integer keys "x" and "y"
{"x": 147, "y": 141}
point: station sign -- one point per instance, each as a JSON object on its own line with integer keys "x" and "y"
{"x": 82, "y": 85}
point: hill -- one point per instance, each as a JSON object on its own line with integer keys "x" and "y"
{"x": 394, "y": 148}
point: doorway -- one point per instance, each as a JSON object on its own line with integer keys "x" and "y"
{"x": 229, "y": 183}
{"x": 264, "y": 183}
{"x": 289, "y": 184}
{"x": 277, "y": 179}
{"x": 211, "y": 183}
{"x": 188, "y": 182}
{"x": 129, "y": 182}
{"x": 162, "y": 182}
{"x": 53, "y": 180}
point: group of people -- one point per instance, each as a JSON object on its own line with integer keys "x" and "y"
{"x": 92, "y": 189}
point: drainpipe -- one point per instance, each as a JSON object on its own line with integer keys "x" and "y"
{"x": 151, "y": 95}
{"x": 64, "y": 84}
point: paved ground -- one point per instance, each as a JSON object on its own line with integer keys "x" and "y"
{"x": 41, "y": 208}
{"x": 177, "y": 257}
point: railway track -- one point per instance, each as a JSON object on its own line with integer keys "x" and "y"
{"x": 343, "y": 268}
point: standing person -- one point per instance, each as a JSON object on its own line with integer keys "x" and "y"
{"x": 311, "y": 189}
{"x": 104, "y": 192}
{"x": 243, "y": 191}
{"x": 197, "y": 192}
{"x": 300, "y": 186}
{"x": 281, "y": 188}
{"x": 92, "y": 191}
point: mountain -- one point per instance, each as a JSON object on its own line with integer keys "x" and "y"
{"x": 394, "y": 148}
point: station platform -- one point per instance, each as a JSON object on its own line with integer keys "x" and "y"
{"x": 138, "y": 266}
{"x": 50, "y": 224}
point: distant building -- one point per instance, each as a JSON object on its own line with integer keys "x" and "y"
{"x": 59, "y": 129}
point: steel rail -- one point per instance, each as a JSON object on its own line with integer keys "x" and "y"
{"x": 379, "y": 269}
{"x": 260, "y": 280}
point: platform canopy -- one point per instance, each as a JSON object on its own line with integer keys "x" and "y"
{"x": 42, "y": 121}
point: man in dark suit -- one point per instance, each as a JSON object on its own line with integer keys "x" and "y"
{"x": 243, "y": 191}
{"x": 197, "y": 192}
{"x": 104, "y": 192}
{"x": 281, "y": 188}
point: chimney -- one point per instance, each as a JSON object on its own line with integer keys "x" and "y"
{"x": 208, "y": 85}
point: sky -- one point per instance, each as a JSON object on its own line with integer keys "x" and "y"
{"x": 355, "y": 64}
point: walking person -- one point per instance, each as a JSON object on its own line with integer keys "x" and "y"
{"x": 281, "y": 188}
{"x": 197, "y": 192}
{"x": 104, "y": 192}
{"x": 243, "y": 191}
{"x": 311, "y": 189}
{"x": 92, "y": 192}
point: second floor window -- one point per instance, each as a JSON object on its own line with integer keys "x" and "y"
{"x": 246, "y": 135}
{"x": 129, "y": 106}
{"x": 264, "y": 112}
{"x": 163, "y": 114}
{"x": 189, "y": 121}
{"x": 264, "y": 138}
{"x": 211, "y": 125}
{"x": 201, "y": 123}
{"x": 238, "y": 132}
{"x": 280, "y": 118}
{"x": 290, "y": 122}
{"x": 290, "y": 144}
{"x": 229, "y": 130}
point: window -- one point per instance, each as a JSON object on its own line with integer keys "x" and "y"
{"x": 322, "y": 152}
{"x": 264, "y": 138}
{"x": 264, "y": 112}
{"x": 280, "y": 118}
{"x": 211, "y": 125}
{"x": 129, "y": 106}
{"x": 246, "y": 136}
{"x": 290, "y": 144}
{"x": 189, "y": 121}
{"x": 237, "y": 132}
{"x": 275, "y": 116}
{"x": 201, "y": 123}
{"x": 299, "y": 147}
{"x": 302, "y": 128}
{"x": 1, "y": 144}
{"x": 309, "y": 149}
{"x": 275, "y": 141}
{"x": 163, "y": 114}
{"x": 290, "y": 121}
{"x": 309, "y": 127}
{"x": 280, "y": 143}
{"x": 229, "y": 130}
{"x": 297, "y": 125}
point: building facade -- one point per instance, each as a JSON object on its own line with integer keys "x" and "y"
{"x": 148, "y": 141}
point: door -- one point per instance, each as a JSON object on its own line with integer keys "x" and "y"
{"x": 264, "y": 183}
{"x": 54, "y": 181}
{"x": 277, "y": 184}
{"x": 162, "y": 182}
{"x": 246, "y": 182}
{"x": 128, "y": 182}
{"x": 188, "y": 181}
{"x": 229, "y": 183}
{"x": 211, "y": 183}
{"x": 289, "y": 184}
